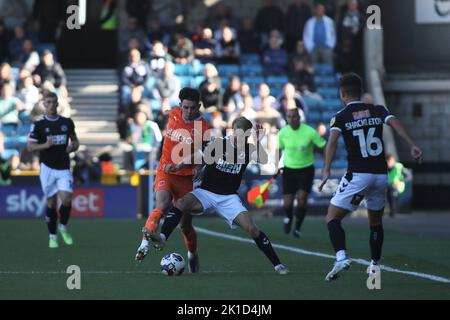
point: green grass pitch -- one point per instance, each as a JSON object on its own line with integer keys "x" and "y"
{"x": 105, "y": 249}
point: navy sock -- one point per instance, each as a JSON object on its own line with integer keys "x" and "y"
{"x": 376, "y": 241}
{"x": 337, "y": 234}
{"x": 300, "y": 215}
{"x": 64, "y": 213}
{"x": 51, "y": 217}
{"x": 265, "y": 246}
{"x": 171, "y": 220}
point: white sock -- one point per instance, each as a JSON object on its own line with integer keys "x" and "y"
{"x": 190, "y": 255}
{"x": 373, "y": 262}
{"x": 144, "y": 243}
{"x": 279, "y": 266}
{"x": 163, "y": 236}
{"x": 286, "y": 220}
{"x": 62, "y": 228}
{"x": 341, "y": 255}
{"x": 53, "y": 236}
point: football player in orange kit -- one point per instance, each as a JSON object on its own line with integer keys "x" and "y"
{"x": 186, "y": 133}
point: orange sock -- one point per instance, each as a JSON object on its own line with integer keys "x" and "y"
{"x": 153, "y": 219}
{"x": 190, "y": 240}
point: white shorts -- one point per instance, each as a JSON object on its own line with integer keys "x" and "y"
{"x": 228, "y": 206}
{"x": 53, "y": 180}
{"x": 366, "y": 188}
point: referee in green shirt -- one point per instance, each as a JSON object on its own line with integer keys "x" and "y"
{"x": 296, "y": 141}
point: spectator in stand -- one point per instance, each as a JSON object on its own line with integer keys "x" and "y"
{"x": 28, "y": 58}
{"x": 248, "y": 38}
{"x": 182, "y": 50}
{"x": 135, "y": 74}
{"x": 168, "y": 85}
{"x": 126, "y": 113}
{"x": 264, "y": 95}
{"x": 6, "y": 75}
{"x": 159, "y": 58}
{"x": 15, "y": 44}
{"x": 297, "y": 14}
{"x": 210, "y": 95}
{"x": 212, "y": 74}
{"x": 228, "y": 107}
{"x": 247, "y": 109}
{"x": 219, "y": 13}
{"x": 302, "y": 77}
{"x": 14, "y": 13}
{"x": 217, "y": 125}
{"x": 134, "y": 43}
{"x": 9, "y": 107}
{"x": 268, "y": 114}
{"x": 275, "y": 59}
{"x": 144, "y": 136}
{"x": 139, "y": 9}
{"x": 28, "y": 93}
{"x": 155, "y": 33}
{"x": 227, "y": 49}
{"x": 51, "y": 16}
{"x": 349, "y": 39}
{"x": 268, "y": 18}
{"x": 4, "y": 40}
{"x": 238, "y": 100}
{"x": 51, "y": 71}
{"x": 133, "y": 31}
{"x": 205, "y": 46}
{"x": 301, "y": 54}
{"x": 319, "y": 36}
{"x": 290, "y": 94}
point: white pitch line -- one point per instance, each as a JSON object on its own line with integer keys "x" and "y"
{"x": 323, "y": 255}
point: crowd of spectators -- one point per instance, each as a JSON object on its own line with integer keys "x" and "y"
{"x": 287, "y": 46}
{"x": 28, "y": 68}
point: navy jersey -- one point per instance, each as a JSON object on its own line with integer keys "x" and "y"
{"x": 61, "y": 129}
{"x": 224, "y": 175}
{"x": 361, "y": 126}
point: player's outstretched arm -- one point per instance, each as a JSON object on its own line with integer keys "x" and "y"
{"x": 330, "y": 151}
{"x": 416, "y": 152}
{"x": 74, "y": 144}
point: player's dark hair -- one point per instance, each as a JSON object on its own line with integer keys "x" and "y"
{"x": 242, "y": 123}
{"x": 50, "y": 94}
{"x": 351, "y": 85}
{"x": 190, "y": 94}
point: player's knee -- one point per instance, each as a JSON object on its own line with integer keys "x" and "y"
{"x": 51, "y": 203}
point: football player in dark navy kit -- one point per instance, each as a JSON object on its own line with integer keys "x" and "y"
{"x": 365, "y": 182}
{"x": 226, "y": 160}
{"x": 54, "y": 138}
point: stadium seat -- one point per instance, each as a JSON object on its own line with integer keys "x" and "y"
{"x": 9, "y": 130}
{"x": 197, "y": 68}
{"x": 197, "y": 81}
{"x": 155, "y": 104}
{"x": 185, "y": 81}
{"x": 328, "y": 93}
{"x": 331, "y": 105}
{"x": 251, "y": 70}
{"x": 227, "y": 70}
{"x": 251, "y": 58}
{"x": 313, "y": 116}
{"x": 311, "y": 103}
{"x": 252, "y": 80}
{"x": 323, "y": 69}
{"x": 277, "y": 80}
{"x": 224, "y": 82}
{"x": 340, "y": 164}
{"x": 182, "y": 69}
{"x": 324, "y": 81}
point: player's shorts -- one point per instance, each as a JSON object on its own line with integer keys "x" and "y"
{"x": 177, "y": 185}
{"x": 229, "y": 206}
{"x": 356, "y": 188}
{"x": 53, "y": 180}
{"x": 298, "y": 179}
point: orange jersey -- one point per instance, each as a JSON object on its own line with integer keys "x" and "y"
{"x": 182, "y": 139}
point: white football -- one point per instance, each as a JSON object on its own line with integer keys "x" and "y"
{"x": 172, "y": 264}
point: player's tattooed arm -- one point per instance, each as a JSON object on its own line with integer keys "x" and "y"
{"x": 330, "y": 151}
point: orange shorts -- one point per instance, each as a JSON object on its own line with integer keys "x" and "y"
{"x": 177, "y": 185}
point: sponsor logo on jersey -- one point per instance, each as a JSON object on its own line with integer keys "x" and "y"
{"x": 64, "y": 128}
{"x": 180, "y": 135}
{"x": 332, "y": 121}
{"x": 224, "y": 166}
{"x": 361, "y": 114}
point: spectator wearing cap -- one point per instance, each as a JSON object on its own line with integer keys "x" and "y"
{"x": 319, "y": 36}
